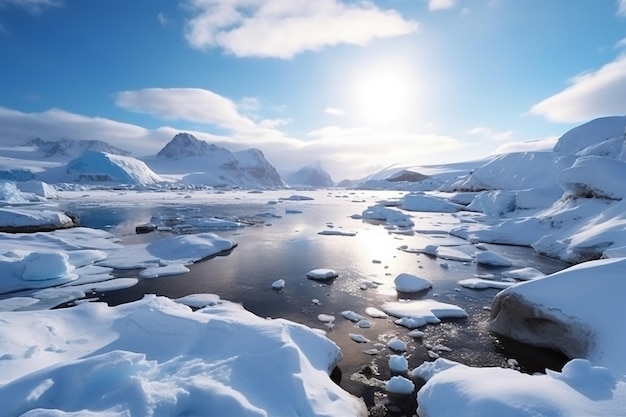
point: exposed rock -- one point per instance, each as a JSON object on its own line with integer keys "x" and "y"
{"x": 518, "y": 319}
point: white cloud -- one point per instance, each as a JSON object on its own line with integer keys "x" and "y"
{"x": 621, "y": 43}
{"x": 334, "y": 111}
{"x": 621, "y": 7}
{"x": 285, "y": 28}
{"x": 591, "y": 95}
{"x": 490, "y": 134}
{"x": 189, "y": 104}
{"x": 32, "y": 6}
{"x": 440, "y": 4}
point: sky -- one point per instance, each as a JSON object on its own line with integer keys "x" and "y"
{"x": 354, "y": 85}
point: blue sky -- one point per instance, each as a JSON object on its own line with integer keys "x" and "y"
{"x": 357, "y": 85}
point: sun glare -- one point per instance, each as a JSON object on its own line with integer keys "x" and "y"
{"x": 382, "y": 97}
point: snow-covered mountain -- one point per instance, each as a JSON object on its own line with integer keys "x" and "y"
{"x": 65, "y": 149}
{"x": 196, "y": 162}
{"x": 311, "y": 175}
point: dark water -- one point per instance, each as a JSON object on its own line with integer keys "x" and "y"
{"x": 290, "y": 246}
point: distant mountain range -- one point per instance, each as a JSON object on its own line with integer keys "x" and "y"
{"x": 312, "y": 175}
{"x": 184, "y": 159}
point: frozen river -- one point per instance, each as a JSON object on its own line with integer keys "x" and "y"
{"x": 282, "y": 241}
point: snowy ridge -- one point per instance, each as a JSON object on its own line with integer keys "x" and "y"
{"x": 196, "y": 162}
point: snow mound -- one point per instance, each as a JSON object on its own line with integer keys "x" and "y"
{"x": 322, "y": 274}
{"x": 595, "y": 176}
{"x": 95, "y": 166}
{"x": 491, "y": 259}
{"x": 155, "y": 357}
{"x": 590, "y": 134}
{"x": 453, "y": 389}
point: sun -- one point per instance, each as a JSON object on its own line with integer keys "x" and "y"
{"x": 382, "y": 97}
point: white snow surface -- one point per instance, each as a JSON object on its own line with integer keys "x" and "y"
{"x": 429, "y": 311}
{"x": 491, "y": 259}
{"x": 155, "y": 357}
{"x": 410, "y": 283}
{"x": 580, "y": 390}
{"x": 96, "y": 166}
{"x": 590, "y": 134}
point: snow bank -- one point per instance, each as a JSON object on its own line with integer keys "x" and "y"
{"x": 494, "y": 203}
{"x": 39, "y": 188}
{"x": 156, "y": 357}
{"x": 595, "y": 176}
{"x": 570, "y": 311}
{"x": 95, "y": 166}
{"x": 454, "y": 390}
{"x": 515, "y": 171}
{"x": 37, "y": 219}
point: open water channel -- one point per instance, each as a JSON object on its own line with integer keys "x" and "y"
{"x": 280, "y": 243}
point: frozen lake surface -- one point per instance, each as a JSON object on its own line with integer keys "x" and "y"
{"x": 282, "y": 241}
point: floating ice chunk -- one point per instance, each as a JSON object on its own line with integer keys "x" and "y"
{"x": 410, "y": 283}
{"x": 164, "y": 271}
{"x": 453, "y": 254}
{"x": 325, "y": 318}
{"x": 432, "y": 311}
{"x": 372, "y": 351}
{"x": 322, "y": 274}
{"x": 399, "y": 385}
{"x": 364, "y": 324}
{"x": 336, "y": 232}
{"x": 415, "y": 333}
{"x": 359, "y": 338}
{"x": 376, "y": 313}
{"x": 316, "y": 302}
{"x": 397, "y": 345}
{"x": 398, "y": 363}
{"x": 491, "y": 259}
{"x": 389, "y": 215}
{"x": 296, "y": 197}
{"x": 278, "y": 284}
{"x": 433, "y": 355}
{"x": 293, "y": 211}
{"x": 524, "y": 274}
{"x": 411, "y": 322}
{"x": 352, "y": 316}
{"x": 479, "y": 284}
{"x": 441, "y": 348}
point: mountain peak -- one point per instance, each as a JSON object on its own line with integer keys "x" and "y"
{"x": 186, "y": 145}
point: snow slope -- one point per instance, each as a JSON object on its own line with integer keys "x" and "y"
{"x": 310, "y": 175}
{"x": 98, "y": 167}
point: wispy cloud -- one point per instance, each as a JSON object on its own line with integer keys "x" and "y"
{"x": 33, "y": 7}
{"x": 283, "y": 29}
{"x": 334, "y": 111}
{"x": 621, "y": 7}
{"x": 621, "y": 43}
{"x": 187, "y": 104}
{"x": 590, "y": 95}
{"x": 163, "y": 19}
{"x": 440, "y": 4}
{"x": 490, "y": 134}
